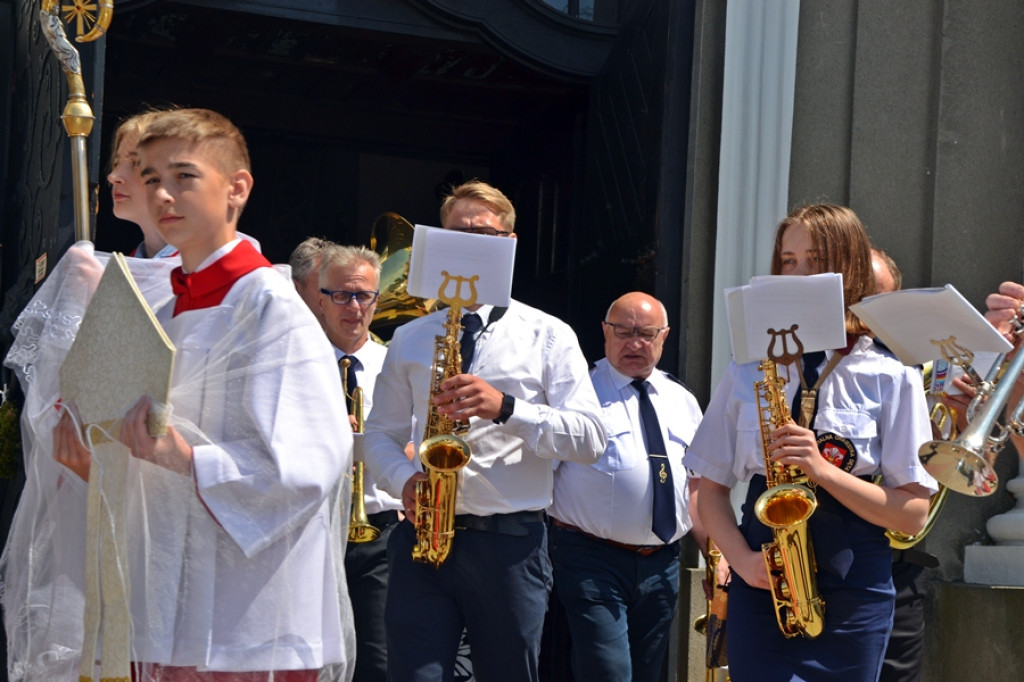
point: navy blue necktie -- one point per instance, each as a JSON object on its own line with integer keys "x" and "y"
{"x": 663, "y": 517}
{"x": 471, "y": 324}
{"x": 350, "y": 379}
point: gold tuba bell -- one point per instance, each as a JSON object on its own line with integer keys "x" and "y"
{"x": 785, "y": 507}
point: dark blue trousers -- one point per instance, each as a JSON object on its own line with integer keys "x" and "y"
{"x": 494, "y": 584}
{"x": 366, "y": 570}
{"x": 855, "y": 580}
{"x": 619, "y": 606}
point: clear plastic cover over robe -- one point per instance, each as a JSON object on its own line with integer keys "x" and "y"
{"x": 238, "y": 567}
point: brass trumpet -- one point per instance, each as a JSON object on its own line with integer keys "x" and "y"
{"x": 359, "y": 527}
{"x": 964, "y": 465}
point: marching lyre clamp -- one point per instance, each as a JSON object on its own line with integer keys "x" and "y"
{"x": 785, "y": 357}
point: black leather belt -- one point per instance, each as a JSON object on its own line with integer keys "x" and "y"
{"x": 504, "y": 524}
{"x": 388, "y": 517}
{"x": 642, "y": 550}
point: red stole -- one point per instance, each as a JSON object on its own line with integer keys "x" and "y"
{"x": 208, "y": 287}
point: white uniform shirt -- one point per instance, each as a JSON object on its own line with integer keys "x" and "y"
{"x": 528, "y": 354}
{"x": 870, "y": 398}
{"x": 614, "y": 497}
{"x": 370, "y": 361}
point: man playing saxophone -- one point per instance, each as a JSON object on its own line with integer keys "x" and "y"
{"x": 524, "y": 390}
{"x": 865, "y": 415}
{"x": 348, "y": 291}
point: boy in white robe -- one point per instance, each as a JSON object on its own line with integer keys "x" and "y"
{"x": 234, "y": 572}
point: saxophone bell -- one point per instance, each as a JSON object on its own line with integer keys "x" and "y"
{"x": 442, "y": 457}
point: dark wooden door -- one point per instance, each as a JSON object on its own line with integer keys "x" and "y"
{"x": 629, "y": 215}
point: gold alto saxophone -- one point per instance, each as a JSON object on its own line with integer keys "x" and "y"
{"x": 785, "y": 507}
{"x": 443, "y": 453}
{"x": 359, "y": 527}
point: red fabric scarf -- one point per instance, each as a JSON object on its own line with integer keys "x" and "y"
{"x": 208, "y": 287}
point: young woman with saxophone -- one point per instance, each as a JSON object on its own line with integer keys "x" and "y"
{"x": 868, "y": 418}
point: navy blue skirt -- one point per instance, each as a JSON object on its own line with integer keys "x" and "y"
{"x": 855, "y": 581}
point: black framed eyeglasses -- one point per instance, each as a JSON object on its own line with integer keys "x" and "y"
{"x": 645, "y": 334}
{"x": 363, "y": 298}
{"x": 482, "y": 229}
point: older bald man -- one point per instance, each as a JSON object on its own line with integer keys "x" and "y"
{"x": 616, "y": 524}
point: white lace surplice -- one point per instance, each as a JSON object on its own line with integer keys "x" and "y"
{"x": 237, "y": 568}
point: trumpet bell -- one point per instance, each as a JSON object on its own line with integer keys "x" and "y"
{"x": 362, "y": 532}
{"x": 958, "y": 468}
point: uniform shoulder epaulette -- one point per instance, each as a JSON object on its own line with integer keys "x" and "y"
{"x": 674, "y": 378}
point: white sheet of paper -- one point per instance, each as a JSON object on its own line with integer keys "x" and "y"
{"x": 436, "y": 251}
{"x": 911, "y": 322}
{"x": 813, "y": 303}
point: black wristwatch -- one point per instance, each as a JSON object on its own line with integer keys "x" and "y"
{"x": 508, "y": 405}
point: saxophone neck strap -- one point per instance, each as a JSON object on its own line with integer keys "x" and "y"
{"x": 809, "y": 396}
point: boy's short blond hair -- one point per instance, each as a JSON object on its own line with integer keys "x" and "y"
{"x": 201, "y": 126}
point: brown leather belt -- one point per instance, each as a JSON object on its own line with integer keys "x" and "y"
{"x": 642, "y": 550}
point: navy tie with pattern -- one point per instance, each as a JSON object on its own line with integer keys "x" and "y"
{"x": 663, "y": 517}
{"x": 471, "y": 324}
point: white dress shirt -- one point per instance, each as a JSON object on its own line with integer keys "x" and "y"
{"x": 870, "y": 398}
{"x": 527, "y": 354}
{"x": 613, "y": 498}
{"x": 370, "y": 360}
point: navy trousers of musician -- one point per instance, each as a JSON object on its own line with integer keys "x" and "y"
{"x": 366, "y": 570}
{"x": 619, "y": 606}
{"x": 854, "y": 579}
{"x": 496, "y": 585}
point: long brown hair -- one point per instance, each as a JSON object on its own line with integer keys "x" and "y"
{"x": 839, "y": 236}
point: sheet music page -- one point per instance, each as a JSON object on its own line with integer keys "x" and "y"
{"x": 436, "y": 251}
{"x": 814, "y": 303}
{"x": 734, "y": 313}
{"x": 912, "y": 322}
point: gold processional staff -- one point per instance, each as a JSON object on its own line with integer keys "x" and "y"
{"x": 90, "y": 24}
